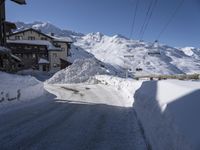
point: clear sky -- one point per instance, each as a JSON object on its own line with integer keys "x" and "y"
{"x": 114, "y": 17}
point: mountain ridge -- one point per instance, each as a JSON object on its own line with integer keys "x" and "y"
{"x": 151, "y": 58}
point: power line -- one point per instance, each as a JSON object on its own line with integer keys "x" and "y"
{"x": 146, "y": 17}
{"x": 170, "y": 19}
{"x": 149, "y": 18}
{"x": 134, "y": 18}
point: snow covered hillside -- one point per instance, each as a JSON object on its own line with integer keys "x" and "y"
{"x": 151, "y": 58}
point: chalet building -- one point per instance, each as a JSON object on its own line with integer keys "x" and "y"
{"x": 8, "y": 61}
{"x": 39, "y": 51}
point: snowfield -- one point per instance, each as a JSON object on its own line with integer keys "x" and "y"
{"x": 15, "y": 89}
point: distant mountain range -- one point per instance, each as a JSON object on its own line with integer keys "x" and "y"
{"x": 121, "y": 52}
{"x": 47, "y": 28}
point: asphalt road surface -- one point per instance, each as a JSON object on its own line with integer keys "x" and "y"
{"x": 73, "y": 117}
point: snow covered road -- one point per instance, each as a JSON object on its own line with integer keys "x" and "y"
{"x": 75, "y": 117}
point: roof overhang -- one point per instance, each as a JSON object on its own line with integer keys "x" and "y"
{"x": 21, "y": 2}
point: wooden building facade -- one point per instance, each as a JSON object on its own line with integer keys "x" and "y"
{"x": 31, "y": 45}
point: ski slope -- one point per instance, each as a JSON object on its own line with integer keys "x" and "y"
{"x": 152, "y": 58}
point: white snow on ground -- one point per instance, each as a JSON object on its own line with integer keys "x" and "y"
{"x": 152, "y": 58}
{"x": 81, "y": 71}
{"x": 81, "y": 94}
{"x": 15, "y": 89}
{"x": 169, "y": 110}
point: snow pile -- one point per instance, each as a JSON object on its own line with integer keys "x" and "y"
{"x": 81, "y": 70}
{"x": 126, "y": 86}
{"x": 15, "y": 89}
{"x": 152, "y": 58}
{"x": 168, "y": 110}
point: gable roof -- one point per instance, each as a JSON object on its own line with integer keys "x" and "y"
{"x": 54, "y": 38}
{"x": 30, "y": 29}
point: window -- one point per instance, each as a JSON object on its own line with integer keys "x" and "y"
{"x": 63, "y": 49}
{"x": 31, "y": 38}
{"x": 57, "y": 45}
{"x": 54, "y": 55}
{"x": 42, "y": 48}
{"x": 34, "y": 56}
{"x": 43, "y": 38}
{"x": 54, "y": 65}
{"x": 18, "y": 37}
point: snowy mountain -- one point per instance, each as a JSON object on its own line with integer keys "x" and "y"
{"x": 47, "y": 28}
{"x": 121, "y": 52}
{"x": 148, "y": 58}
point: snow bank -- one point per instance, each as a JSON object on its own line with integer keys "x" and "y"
{"x": 15, "y": 89}
{"x": 81, "y": 71}
{"x": 168, "y": 110}
{"x": 169, "y": 113}
{"x": 127, "y": 86}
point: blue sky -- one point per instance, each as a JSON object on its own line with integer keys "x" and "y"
{"x": 114, "y": 17}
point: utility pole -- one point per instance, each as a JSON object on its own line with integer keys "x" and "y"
{"x": 3, "y": 20}
{"x": 2, "y": 23}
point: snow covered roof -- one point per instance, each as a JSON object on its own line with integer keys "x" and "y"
{"x": 61, "y": 39}
{"x": 29, "y": 29}
{"x": 43, "y": 61}
{"x": 49, "y": 45}
{"x": 65, "y": 39}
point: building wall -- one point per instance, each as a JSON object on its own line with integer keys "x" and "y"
{"x": 29, "y": 54}
{"x": 54, "y": 59}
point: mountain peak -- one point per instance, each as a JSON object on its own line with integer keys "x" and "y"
{"x": 47, "y": 28}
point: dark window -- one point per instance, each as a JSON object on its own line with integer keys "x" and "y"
{"x": 43, "y": 38}
{"x": 57, "y": 45}
{"x": 54, "y": 55}
{"x": 31, "y": 38}
{"x": 18, "y": 38}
